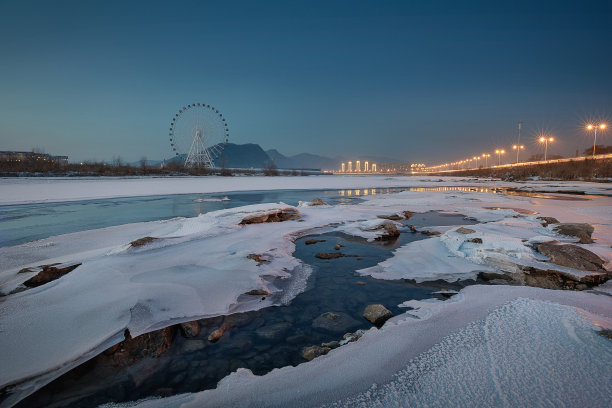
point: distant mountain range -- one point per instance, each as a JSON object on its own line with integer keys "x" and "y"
{"x": 251, "y": 155}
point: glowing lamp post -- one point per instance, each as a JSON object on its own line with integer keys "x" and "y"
{"x": 545, "y": 140}
{"x": 499, "y": 152}
{"x": 518, "y": 148}
{"x": 486, "y": 157}
{"x": 601, "y": 126}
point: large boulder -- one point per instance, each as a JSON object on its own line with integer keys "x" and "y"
{"x": 390, "y": 231}
{"x": 579, "y": 230}
{"x": 377, "y": 314}
{"x": 151, "y": 344}
{"x": 571, "y": 256}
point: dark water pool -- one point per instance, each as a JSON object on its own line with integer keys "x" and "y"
{"x": 263, "y": 340}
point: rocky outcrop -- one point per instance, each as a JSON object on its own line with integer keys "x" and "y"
{"x": 142, "y": 241}
{"x": 408, "y": 214}
{"x": 571, "y": 256}
{"x": 579, "y": 230}
{"x": 151, "y": 344}
{"x": 551, "y": 279}
{"x": 49, "y": 273}
{"x": 257, "y": 292}
{"x": 190, "y": 329}
{"x": 279, "y": 215}
{"x": 377, "y": 314}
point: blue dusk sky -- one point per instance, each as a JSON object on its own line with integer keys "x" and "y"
{"x": 424, "y": 81}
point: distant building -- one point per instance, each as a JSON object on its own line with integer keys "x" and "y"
{"x": 366, "y": 167}
{"x": 31, "y": 156}
{"x": 358, "y": 166}
{"x": 350, "y": 167}
{"x": 343, "y": 168}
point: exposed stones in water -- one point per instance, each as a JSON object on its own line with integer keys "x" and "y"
{"x": 142, "y": 241}
{"x": 360, "y": 283}
{"x": 280, "y": 215}
{"x": 331, "y": 344}
{"x": 551, "y": 279}
{"x": 337, "y": 247}
{"x": 218, "y": 333}
{"x": 334, "y": 322}
{"x": 312, "y": 352}
{"x": 582, "y": 231}
{"x": 351, "y": 337}
{"x": 463, "y": 230}
{"x": 49, "y": 273}
{"x": 408, "y": 214}
{"x": 391, "y": 231}
{"x": 190, "y": 329}
{"x": 475, "y": 240}
{"x": 151, "y": 344}
{"x": 546, "y": 221}
{"x": 377, "y": 314}
{"x": 333, "y": 255}
{"x": 313, "y": 241}
{"x": 317, "y": 201}
{"x": 571, "y": 256}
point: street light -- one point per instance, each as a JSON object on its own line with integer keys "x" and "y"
{"x": 476, "y": 158}
{"x": 518, "y": 148}
{"x": 486, "y": 157}
{"x": 545, "y": 140}
{"x": 601, "y": 126}
{"x": 499, "y": 152}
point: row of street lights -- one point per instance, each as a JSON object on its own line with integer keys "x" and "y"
{"x": 518, "y": 147}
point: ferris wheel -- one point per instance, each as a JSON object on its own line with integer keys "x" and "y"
{"x": 200, "y": 132}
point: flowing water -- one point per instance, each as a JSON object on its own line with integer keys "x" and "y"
{"x": 262, "y": 340}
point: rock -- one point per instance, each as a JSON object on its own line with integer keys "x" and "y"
{"x": 489, "y": 276}
{"x": 271, "y": 331}
{"x": 430, "y": 233}
{"x": 142, "y": 241}
{"x": 412, "y": 228}
{"x": 578, "y": 230}
{"x": 360, "y": 283}
{"x": 391, "y": 231}
{"x": 408, "y": 214}
{"x": 606, "y": 333}
{"x": 393, "y": 217}
{"x": 190, "y": 329}
{"x": 551, "y": 279}
{"x": 49, "y": 273}
{"x": 312, "y": 352}
{"x": 333, "y": 255}
{"x": 571, "y": 256}
{"x": 216, "y": 334}
{"x": 462, "y": 230}
{"x": 257, "y": 258}
{"x": 351, "y": 337}
{"x": 332, "y": 344}
{"x": 337, "y": 247}
{"x": 257, "y": 292}
{"x": 334, "y": 322}
{"x": 279, "y": 215}
{"x": 26, "y": 270}
{"x": 151, "y": 344}
{"x": 546, "y": 221}
{"x": 475, "y": 240}
{"x": 317, "y": 201}
{"x": 377, "y": 314}
{"x": 313, "y": 241}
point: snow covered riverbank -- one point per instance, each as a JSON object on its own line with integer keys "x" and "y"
{"x": 200, "y": 267}
{"x": 44, "y": 190}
